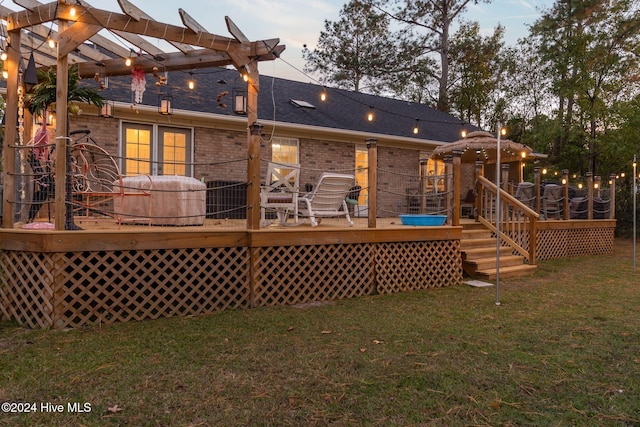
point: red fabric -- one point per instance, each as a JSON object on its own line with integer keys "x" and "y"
{"x": 40, "y": 142}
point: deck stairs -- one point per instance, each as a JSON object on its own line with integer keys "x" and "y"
{"x": 478, "y": 247}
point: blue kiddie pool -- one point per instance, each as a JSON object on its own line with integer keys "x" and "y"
{"x": 422, "y": 219}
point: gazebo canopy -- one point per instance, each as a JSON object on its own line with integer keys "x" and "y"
{"x": 482, "y": 146}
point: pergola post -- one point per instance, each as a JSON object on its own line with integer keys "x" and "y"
{"x": 590, "y": 194}
{"x": 253, "y": 148}
{"x": 11, "y": 131}
{"x": 372, "y": 146}
{"x": 253, "y": 177}
{"x": 457, "y": 178}
{"x": 449, "y": 206}
{"x": 479, "y": 172}
{"x": 505, "y": 177}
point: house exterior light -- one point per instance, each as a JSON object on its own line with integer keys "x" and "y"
{"x": 165, "y": 105}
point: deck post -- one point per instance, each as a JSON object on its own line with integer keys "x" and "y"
{"x": 450, "y": 192}
{"x": 612, "y": 196}
{"x": 478, "y": 189}
{"x": 590, "y": 194}
{"x": 505, "y": 177}
{"x": 253, "y": 177}
{"x": 423, "y": 185}
{"x": 536, "y": 180}
{"x": 372, "y": 146}
{"x": 11, "y": 134}
{"x": 565, "y": 194}
{"x": 457, "y": 177}
{"x": 64, "y": 213}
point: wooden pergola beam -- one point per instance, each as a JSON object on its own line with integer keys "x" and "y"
{"x": 134, "y": 12}
{"x": 199, "y": 58}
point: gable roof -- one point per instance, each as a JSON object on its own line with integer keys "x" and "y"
{"x": 343, "y": 110}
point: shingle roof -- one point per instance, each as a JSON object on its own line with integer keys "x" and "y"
{"x": 342, "y": 110}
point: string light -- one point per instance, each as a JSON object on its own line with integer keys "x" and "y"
{"x": 323, "y": 94}
{"x": 244, "y": 71}
{"x": 3, "y": 55}
{"x": 72, "y": 12}
{"x": 191, "y": 83}
{"x": 416, "y": 129}
{"x": 51, "y": 42}
{"x": 370, "y": 114}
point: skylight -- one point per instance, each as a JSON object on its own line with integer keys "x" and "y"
{"x": 302, "y": 104}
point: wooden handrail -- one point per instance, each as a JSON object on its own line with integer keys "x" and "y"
{"x": 515, "y": 218}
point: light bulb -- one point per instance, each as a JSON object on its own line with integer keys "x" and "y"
{"x": 127, "y": 62}
{"x": 191, "y": 84}
{"x": 3, "y": 56}
{"x": 52, "y": 43}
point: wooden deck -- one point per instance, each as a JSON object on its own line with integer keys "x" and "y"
{"x": 106, "y": 273}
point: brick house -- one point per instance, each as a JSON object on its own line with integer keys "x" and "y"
{"x": 298, "y": 127}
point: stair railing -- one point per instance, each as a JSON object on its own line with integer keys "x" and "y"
{"x": 515, "y": 218}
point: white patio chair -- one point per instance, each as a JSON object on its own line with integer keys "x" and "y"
{"x": 280, "y": 193}
{"x": 327, "y": 200}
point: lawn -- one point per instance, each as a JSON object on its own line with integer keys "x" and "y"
{"x": 562, "y": 348}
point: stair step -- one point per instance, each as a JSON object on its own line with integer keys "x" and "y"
{"x": 487, "y": 263}
{"x": 506, "y": 272}
{"x": 484, "y": 252}
{"x": 476, "y": 234}
{"x": 477, "y": 243}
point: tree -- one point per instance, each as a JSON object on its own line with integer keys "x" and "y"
{"x": 43, "y": 94}
{"x": 355, "y": 52}
{"x": 429, "y": 25}
{"x": 589, "y": 51}
{"x": 476, "y": 72}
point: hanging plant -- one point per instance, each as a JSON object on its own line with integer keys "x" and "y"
{"x": 138, "y": 84}
{"x": 43, "y": 94}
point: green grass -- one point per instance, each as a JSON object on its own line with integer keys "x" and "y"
{"x": 562, "y": 349}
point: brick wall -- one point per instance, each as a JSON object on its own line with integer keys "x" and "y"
{"x": 221, "y": 155}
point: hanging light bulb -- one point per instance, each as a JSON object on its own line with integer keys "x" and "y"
{"x": 323, "y": 94}
{"x": 128, "y": 61}
{"x": 51, "y": 42}
{"x": 3, "y": 55}
{"x": 191, "y": 84}
{"x": 5, "y": 74}
{"x": 72, "y": 12}
{"x": 415, "y": 128}
{"x": 370, "y": 114}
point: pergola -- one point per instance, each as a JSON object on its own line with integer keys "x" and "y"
{"x": 79, "y": 41}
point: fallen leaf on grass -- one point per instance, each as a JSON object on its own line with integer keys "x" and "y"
{"x": 325, "y": 332}
{"x": 362, "y": 350}
{"x": 378, "y": 342}
{"x": 291, "y": 328}
{"x": 115, "y": 409}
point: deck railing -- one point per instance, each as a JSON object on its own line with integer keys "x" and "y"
{"x": 516, "y": 223}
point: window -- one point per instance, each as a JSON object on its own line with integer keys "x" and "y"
{"x": 435, "y": 176}
{"x": 156, "y": 150}
{"x": 285, "y": 150}
{"x": 362, "y": 174}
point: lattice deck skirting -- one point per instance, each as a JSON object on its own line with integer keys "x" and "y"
{"x": 562, "y": 239}
{"x": 73, "y": 288}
